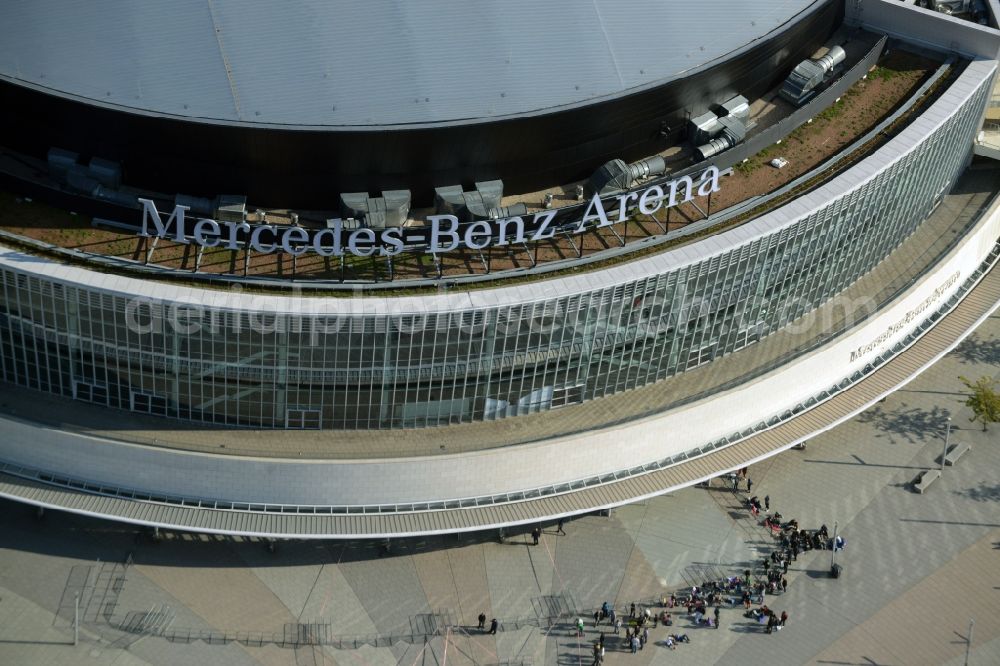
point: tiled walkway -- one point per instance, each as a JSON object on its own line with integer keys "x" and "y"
{"x": 917, "y": 568}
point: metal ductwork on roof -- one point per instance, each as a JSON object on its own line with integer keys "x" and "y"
{"x": 389, "y": 210}
{"x": 483, "y": 203}
{"x": 714, "y": 132}
{"x": 733, "y": 132}
{"x": 616, "y": 175}
{"x": 807, "y": 77}
{"x": 975, "y": 8}
{"x": 231, "y": 208}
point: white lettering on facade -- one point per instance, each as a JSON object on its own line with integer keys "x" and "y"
{"x": 232, "y": 243}
{"x": 478, "y": 235}
{"x": 392, "y": 242}
{"x": 543, "y": 220}
{"x": 907, "y": 319}
{"x": 651, "y": 200}
{"x": 294, "y": 241}
{"x": 209, "y": 227}
{"x": 446, "y": 232}
{"x": 255, "y": 238}
{"x": 437, "y": 232}
{"x": 623, "y": 200}
{"x": 369, "y": 241}
{"x": 176, "y": 218}
{"x": 506, "y": 222}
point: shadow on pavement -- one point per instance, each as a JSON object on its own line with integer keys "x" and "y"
{"x": 982, "y": 493}
{"x": 86, "y": 538}
{"x": 975, "y": 351}
{"x": 913, "y": 424}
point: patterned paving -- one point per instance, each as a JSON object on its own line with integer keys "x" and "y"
{"x": 917, "y": 568}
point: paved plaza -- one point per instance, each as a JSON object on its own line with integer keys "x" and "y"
{"x": 917, "y": 568}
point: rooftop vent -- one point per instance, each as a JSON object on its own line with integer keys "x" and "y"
{"x": 389, "y": 210}
{"x": 807, "y": 77}
{"x": 615, "y": 176}
{"x": 483, "y": 203}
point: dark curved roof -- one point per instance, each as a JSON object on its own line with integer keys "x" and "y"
{"x": 373, "y": 63}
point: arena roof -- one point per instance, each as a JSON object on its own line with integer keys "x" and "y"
{"x": 372, "y": 63}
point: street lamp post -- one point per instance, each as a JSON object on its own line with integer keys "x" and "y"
{"x": 968, "y": 641}
{"x": 947, "y": 436}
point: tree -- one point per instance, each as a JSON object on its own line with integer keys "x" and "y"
{"x": 984, "y": 401}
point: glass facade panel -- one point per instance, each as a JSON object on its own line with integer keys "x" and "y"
{"x": 401, "y": 371}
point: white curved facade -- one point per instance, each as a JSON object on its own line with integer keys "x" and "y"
{"x": 581, "y": 386}
{"x": 911, "y": 171}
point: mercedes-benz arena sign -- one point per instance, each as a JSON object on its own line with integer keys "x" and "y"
{"x": 444, "y": 233}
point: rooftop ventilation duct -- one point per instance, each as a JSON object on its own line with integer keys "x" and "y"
{"x": 738, "y": 107}
{"x": 198, "y": 206}
{"x": 804, "y": 81}
{"x": 61, "y": 161}
{"x": 733, "y": 132}
{"x": 231, "y": 208}
{"x": 480, "y": 204}
{"x": 704, "y": 127}
{"x": 715, "y": 132}
{"x": 615, "y": 175}
{"x": 974, "y": 7}
{"x": 105, "y": 172}
{"x": 389, "y": 210}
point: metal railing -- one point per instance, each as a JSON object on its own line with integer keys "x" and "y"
{"x": 533, "y": 493}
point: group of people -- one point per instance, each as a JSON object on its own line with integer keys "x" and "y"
{"x": 791, "y": 541}
{"x": 494, "y": 624}
{"x": 703, "y": 603}
{"x": 768, "y": 617}
{"x": 738, "y": 477}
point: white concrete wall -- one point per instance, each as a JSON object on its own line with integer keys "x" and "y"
{"x": 925, "y": 27}
{"x": 492, "y": 471}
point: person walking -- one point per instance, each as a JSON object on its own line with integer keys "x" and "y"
{"x": 612, "y": 616}
{"x": 559, "y": 527}
{"x": 770, "y": 623}
{"x": 493, "y": 626}
{"x": 597, "y": 618}
{"x": 784, "y": 618}
{"x": 784, "y": 582}
{"x": 635, "y": 645}
{"x": 631, "y": 612}
{"x": 618, "y": 626}
{"x": 535, "y": 535}
{"x": 784, "y": 566}
{"x": 716, "y": 617}
{"x": 579, "y": 626}
{"x": 482, "y": 622}
{"x": 749, "y": 484}
{"x": 767, "y": 502}
{"x": 645, "y": 638}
